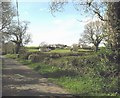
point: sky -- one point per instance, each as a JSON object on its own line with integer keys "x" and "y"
{"x": 62, "y": 28}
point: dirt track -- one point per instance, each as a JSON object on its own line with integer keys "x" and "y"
{"x": 20, "y": 80}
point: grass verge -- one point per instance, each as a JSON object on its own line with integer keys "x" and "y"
{"x": 75, "y": 83}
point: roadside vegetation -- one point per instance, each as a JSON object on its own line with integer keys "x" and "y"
{"x": 85, "y": 74}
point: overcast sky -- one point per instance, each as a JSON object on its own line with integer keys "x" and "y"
{"x": 64, "y": 28}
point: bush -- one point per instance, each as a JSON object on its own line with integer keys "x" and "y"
{"x": 55, "y": 55}
{"x": 38, "y": 57}
{"x": 106, "y": 54}
{"x": 25, "y": 55}
{"x": 34, "y": 57}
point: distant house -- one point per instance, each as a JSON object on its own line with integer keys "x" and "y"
{"x": 61, "y": 46}
{"x": 47, "y": 48}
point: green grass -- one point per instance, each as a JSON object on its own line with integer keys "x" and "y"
{"x": 76, "y": 84}
{"x": 79, "y": 85}
{"x": 52, "y": 51}
{"x": 13, "y": 56}
{"x": 68, "y": 50}
{"x": 32, "y": 50}
{"x": 85, "y": 84}
{"x": 60, "y": 51}
{"x": 40, "y": 67}
{"x": 83, "y": 50}
{"x": 57, "y": 50}
{"x": 25, "y": 62}
{"x": 43, "y": 68}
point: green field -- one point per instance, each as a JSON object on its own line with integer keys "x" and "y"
{"x": 68, "y": 50}
{"x": 32, "y": 50}
{"x": 60, "y": 50}
{"x": 57, "y": 50}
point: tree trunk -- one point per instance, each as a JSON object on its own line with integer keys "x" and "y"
{"x": 114, "y": 20}
{"x": 17, "y": 48}
{"x": 96, "y": 48}
{"x": 117, "y": 12}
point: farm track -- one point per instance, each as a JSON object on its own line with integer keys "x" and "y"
{"x": 20, "y": 80}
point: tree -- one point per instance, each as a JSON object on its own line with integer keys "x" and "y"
{"x": 114, "y": 23}
{"x": 74, "y": 47}
{"x": 8, "y": 12}
{"x": 8, "y": 47}
{"x": 18, "y": 34}
{"x": 93, "y": 33}
{"x": 90, "y": 6}
{"x": 44, "y": 47}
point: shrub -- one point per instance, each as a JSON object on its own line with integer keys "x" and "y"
{"x": 25, "y": 55}
{"x": 55, "y": 55}
{"x": 38, "y": 57}
{"x": 47, "y": 60}
{"x": 106, "y": 54}
{"x": 34, "y": 57}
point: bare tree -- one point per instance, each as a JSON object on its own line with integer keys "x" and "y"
{"x": 90, "y": 6}
{"x": 8, "y": 12}
{"x": 18, "y": 34}
{"x": 93, "y": 33}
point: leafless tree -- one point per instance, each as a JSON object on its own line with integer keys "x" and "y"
{"x": 93, "y": 33}
{"x": 18, "y": 34}
{"x": 7, "y": 12}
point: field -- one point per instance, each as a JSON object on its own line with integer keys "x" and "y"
{"x": 32, "y": 49}
{"x": 68, "y": 50}
{"x": 36, "y": 49}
